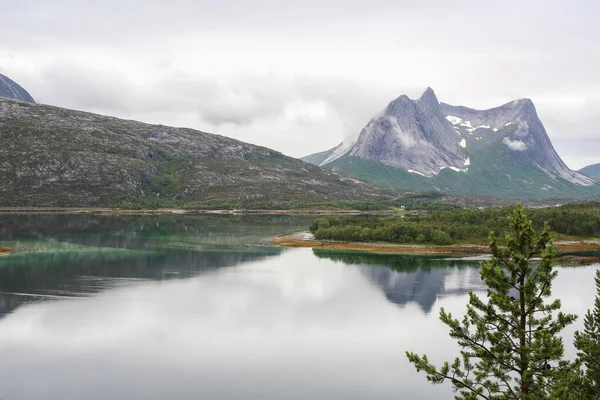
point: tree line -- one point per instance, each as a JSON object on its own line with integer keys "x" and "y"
{"x": 445, "y": 227}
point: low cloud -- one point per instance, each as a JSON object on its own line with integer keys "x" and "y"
{"x": 515, "y": 145}
{"x": 522, "y": 129}
{"x": 405, "y": 138}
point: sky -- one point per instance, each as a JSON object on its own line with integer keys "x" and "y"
{"x": 301, "y": 76}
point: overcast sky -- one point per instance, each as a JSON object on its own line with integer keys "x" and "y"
{"x": 299, "y": 76}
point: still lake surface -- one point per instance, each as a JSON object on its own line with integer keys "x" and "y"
{"x": 178, "y": 307}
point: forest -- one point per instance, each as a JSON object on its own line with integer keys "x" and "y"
{"x": 459, "y": 226}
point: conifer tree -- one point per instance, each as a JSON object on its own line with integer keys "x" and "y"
{"x": 588, "y": 346}
{"x": 510, "y": 344}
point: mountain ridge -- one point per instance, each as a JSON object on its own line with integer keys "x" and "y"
{"x": 51, "y": 156}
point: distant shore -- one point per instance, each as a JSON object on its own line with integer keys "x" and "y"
{"x": 306, "y": 239}
{"x": 180, "y": 211}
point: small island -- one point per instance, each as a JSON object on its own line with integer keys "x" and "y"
{"x": 576, "y": 228}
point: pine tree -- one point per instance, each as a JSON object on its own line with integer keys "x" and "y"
{"x": 588, "y": 346}
{"x": 511, "y": 348}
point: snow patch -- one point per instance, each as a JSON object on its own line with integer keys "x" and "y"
{"x": 455, "y": 169}
{"x": 463, "y": 143}
{"x": 471, "y": 130}
{"x": 467, "y": 161}
{"x": 510, "y": 123}
{"x": 515, "y": 145}
{"x": 417, "y": 172}
{"x": 495, "y": 129}
{"x": 454, "y": 120}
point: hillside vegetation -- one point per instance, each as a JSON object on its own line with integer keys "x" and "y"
{"x": 458, "y": 226}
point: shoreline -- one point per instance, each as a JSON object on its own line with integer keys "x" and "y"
{"x": 180, "y": 211}
{"x": 306, "y": 239}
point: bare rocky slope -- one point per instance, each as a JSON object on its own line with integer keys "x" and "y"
{"x": 12, "y": 90}
{"x": 51, "y": 156}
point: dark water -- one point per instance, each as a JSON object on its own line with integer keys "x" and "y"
{"x": 199, "y": 308}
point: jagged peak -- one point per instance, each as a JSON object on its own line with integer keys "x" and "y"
{"x": 428, "y": 95}
{"x": 427, "y": 99}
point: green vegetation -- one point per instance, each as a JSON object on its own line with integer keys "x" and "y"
{"x": 456, "y": 226}
{"x": 511, "y": 347}
{"x": 394, "y": 261}
{"x": 158, "y": 193}
{"x": 493, "y": 171}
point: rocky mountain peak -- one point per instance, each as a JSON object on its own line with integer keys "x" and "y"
{"x": 429, "y": 97}
{"x": 506, "y": 147}
{"x": 413, "y": 135}
{"x": 12, "y": 90}
{"x": 400, "y": 105}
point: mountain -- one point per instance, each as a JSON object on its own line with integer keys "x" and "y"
{"x": 57, "y": 157}
{"x": 591, "y": 170}
{"x": 422, "y": 144}
{"x": 11, "y": 90}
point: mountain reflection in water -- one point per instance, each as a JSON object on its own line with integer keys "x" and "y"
{"x": 413, "y": 278}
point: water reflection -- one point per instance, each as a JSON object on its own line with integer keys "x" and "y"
{"x": 413, "y": 278}
{"x": 241, "y": 322}
{"x": 285, "y": 327}
{"x": 77, "y": 255}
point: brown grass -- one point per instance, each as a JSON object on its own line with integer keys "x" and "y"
{"x": 294, "y": 241}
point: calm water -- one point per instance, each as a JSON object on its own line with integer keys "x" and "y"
{"x": 199, "y": 308}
